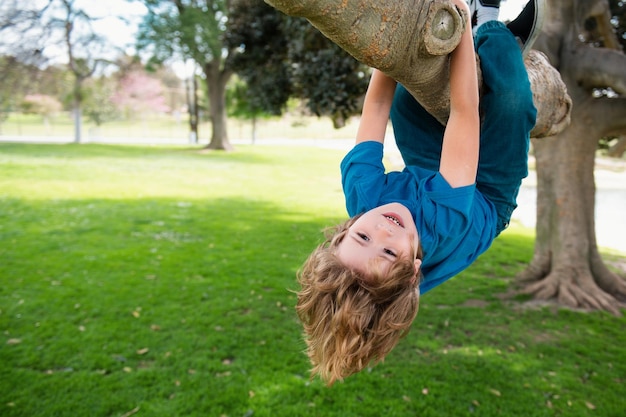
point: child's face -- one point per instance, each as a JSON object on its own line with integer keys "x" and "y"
{"x": 381, "y": 235}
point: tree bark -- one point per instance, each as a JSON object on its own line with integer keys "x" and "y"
{"x": 216, "y": 84}
{"x": 399, "y": 37}
{"x": 619, "y": 148}
{"x": 566, "y": 265}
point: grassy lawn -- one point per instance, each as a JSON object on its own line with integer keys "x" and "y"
{"x": 155, "y": 281}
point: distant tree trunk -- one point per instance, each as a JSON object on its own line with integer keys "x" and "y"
{"x": 191, "y": 90}
{"x": 216, "y": 81}
{"x": 77, "y": 110}
{"x": 566, "y": 264}
{"x": 254, "y": 124}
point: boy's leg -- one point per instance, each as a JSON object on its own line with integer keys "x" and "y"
{"x": 418, "y": 134}
{"x": 508, "y": 115}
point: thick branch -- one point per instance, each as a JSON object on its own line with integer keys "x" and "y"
{"x": 410, "y": 40}
{"x": 613, "y": 62}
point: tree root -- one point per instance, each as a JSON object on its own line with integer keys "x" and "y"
{"x": 538, "y": 268}
{"x": 575, "y": 290}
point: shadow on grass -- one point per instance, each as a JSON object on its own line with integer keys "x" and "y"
{"x": 182, "y": 307}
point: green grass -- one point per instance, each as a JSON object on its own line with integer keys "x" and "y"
{"x": 155, "y": 281}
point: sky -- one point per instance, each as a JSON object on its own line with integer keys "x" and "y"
{"x": 118, "y": 32}
{"x": 509, "y": 9}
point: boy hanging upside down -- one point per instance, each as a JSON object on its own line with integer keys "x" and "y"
{"x": 411, "y": 231}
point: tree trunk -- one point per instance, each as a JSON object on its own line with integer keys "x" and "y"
{"x": 566, "y": 264}
{"x": 191, "y": 93}
{"x": 398, "y": 37}
{"x": 254, "y": 130}
{"x": 216, "y": 84}
{"x": 78, "y": 116}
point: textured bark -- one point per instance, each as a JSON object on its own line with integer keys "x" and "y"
{"x": 566, "y": 265}
{"x": 217, "y": 79}
{"x": 410, "y": 41}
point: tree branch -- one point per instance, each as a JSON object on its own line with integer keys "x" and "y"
{"x": 409, "y": 41}
{"x": 613, "y": 62}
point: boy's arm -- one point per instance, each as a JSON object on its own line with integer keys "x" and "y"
{"x": 459, "y": 153}
{"x": 376, "y": 107}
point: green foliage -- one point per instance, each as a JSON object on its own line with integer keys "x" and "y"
{"x": 281, "y": 57}
{"x": 20, "y": 79}
{"x": 189, "y": 29}
{"x": 331, "y": 80}
{"x": 156, "y": 281}
{"x": 97, "y": 104}
{"x": 241, "y": 102}
{"x": 255, "y": 29}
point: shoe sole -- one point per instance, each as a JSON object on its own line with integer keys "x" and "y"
{"x": 540, "y": 8}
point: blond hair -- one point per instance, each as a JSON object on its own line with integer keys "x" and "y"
{"x": 352, "y": 319}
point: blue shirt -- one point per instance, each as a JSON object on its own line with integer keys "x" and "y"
{"x": 455, "y": 225}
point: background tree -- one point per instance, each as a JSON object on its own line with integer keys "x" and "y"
{"x": 33, "y": 30}
{"x": 43, "y": 105}
{"x": 240, "y": 105}
{"x": 20, "y": 79}
{"x": 256, "y": 32}
{"x": 281, "y": 57}
{"x": 579, "y": 37}
{"x": 194, "y": 29}
{"x": 329, "y": 79}
{"x": 98, "y": 100}
{"x": 14, "y": 86}
{"x": 139, "y": 93}
{"x": 81, "y": 61}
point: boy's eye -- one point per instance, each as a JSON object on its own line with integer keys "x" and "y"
{"x": 363, "y": 236}
{"x": 390, "y": 252}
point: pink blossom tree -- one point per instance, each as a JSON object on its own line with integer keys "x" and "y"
{"x": 138, "y": 93}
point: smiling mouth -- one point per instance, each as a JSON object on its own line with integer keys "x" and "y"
{"x": 394, "y": 218}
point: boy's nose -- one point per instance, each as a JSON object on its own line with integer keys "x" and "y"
{"x": 385, "y": 228}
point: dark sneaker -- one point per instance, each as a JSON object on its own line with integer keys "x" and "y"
{"x": 489, "y": 3}
{"x": 527, "y": 26}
